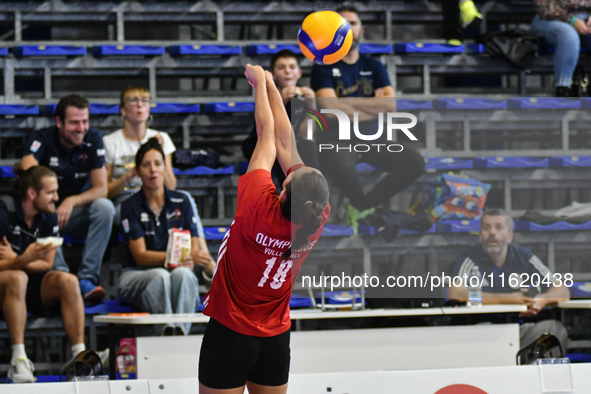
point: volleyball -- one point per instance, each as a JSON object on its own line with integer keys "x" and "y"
{"x": 325, "y": 37}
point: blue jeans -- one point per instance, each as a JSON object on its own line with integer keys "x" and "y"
{"x": 157, "y": 290}
{"x": 93, "y": 221}
{"x": 566, "y": 42}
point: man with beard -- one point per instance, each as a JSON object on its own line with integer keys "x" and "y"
{"x": 498, "y": 261}
{"x": 26, "y": 280}
{"x": 363, "y": 87}
{"x": 76, "y": 154}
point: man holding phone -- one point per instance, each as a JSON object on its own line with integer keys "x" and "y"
{"x": 511, "y": 275}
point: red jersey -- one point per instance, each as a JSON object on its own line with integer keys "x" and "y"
{"x": 252, "y": 284}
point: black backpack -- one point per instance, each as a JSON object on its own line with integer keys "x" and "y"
{"x": 517, "y": 46}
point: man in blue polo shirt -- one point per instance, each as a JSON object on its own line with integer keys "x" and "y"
{"x": 27, "y": 282}
{"x": 363, "y": 87}
{"x": 511, "y": 275}
{"x": 76, "y": 154}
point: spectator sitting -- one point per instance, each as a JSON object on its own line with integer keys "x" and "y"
{"x": 364, "y": 87}
{"x": 495, "y": 256}
{"x": 565, "y": 26}
{"x": 26, "y": 279}
{"x": 122, "y": 145}
{"x": 286, "y": 72}
{"x": 147, "y": 218}
{"x": 76, "y": 154}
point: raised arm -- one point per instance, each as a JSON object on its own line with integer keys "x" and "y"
{"x": 264, "y": 153}
{"x": 287, "y": 151}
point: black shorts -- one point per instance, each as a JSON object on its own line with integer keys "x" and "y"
{"x": 228, "y": 359}
{"x": 33, "y": 299}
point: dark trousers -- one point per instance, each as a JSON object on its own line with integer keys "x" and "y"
{"x": 402, "y": 169}
{"x": 451, "y": 20}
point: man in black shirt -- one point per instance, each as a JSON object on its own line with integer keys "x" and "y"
{"x": 363, "y": 87}
{"x": 77, "y": 156}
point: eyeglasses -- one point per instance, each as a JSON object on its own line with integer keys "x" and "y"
{"x": 136, "y": 101}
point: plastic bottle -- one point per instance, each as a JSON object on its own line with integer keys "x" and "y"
{"x": 474, "y": 292}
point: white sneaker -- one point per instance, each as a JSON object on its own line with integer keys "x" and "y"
{"x": 21, "y": 371}
{"x": 104, "y": 356}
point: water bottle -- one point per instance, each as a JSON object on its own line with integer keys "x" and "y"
{"x": 474, "y": 292}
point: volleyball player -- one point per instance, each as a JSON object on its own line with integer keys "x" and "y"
{"x": 246, "y": 343}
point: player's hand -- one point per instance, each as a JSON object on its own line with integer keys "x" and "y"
{"x": 255, "y": 75}
{"x": 127, "y": 177}
{"x": 288, "y": 92}
{"x": 188, "y": 263}
{"x": 160, "y": 139}
{"x": 203, "y": 258}
{"x": 6, "y": 252}
{"x": 307, "y": 92}
{"x": 36, "y": 251}
{"x": 582, "y": 27}
{"x": 64, "y": 211}
{"x": 269, "y": 78}
{"x": 534, "y": 306}
{"x": 379, "y": 92}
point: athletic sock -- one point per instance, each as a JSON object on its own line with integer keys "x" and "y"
{"x": 77, "y": 348}
{"x": 18, "y": 351}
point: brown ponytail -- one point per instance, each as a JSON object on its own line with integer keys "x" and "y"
{"x": 306, "y": 198}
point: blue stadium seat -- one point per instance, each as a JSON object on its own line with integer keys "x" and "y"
{"x": 49, "y": 109}
{"x": 425, "y": 47}
{"x": 335, "y": 230}
{"x": 338, "y": 297}
{"x": 3, "y": 51}
{"x": 368, "y": 230}
{"x": 243, "y": 167}
{"x": 375, "y": 49}
{"x": 71, "y": 240}
{"x": 109, "y": 306}
{"x": 126, "y": 50}
{"x": 300, "y": 301}
{"x": 95, "y": 109}
{"x": 215, "y": 233}
{"x": 586, "y": 102}
{"x": 402, "y": 105}
{"x": 246, "y": 106}
{"x": 578, "y": 357}
{"x": 531, "y": 226}
{"x": 6, "y": 172}
{"x": 570, "y": 161}
{"x": 202, "y": 170}
{"x": 543, "y": 103}
{"x": 16, "y": 109}
{"x": 458, "y": 226}
{"x": 580, "y": 290}
{"x": 175, "y": 108}
{"x": 271, "y": 49}
{"x": 476, "y": 48}
{"x": 40, "y": 379}
{"x": 179, "y": 50}
{"x": 101, "y": 109}
{"x": 509, "y": 162}
{"x": 48, "y": 50}
{"x": 469, "y": 103}
{"x": 447, "y": 163}
{"x": 407, "y": 231}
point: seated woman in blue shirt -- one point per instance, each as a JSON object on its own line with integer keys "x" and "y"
{"x": 147, "y": 218}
